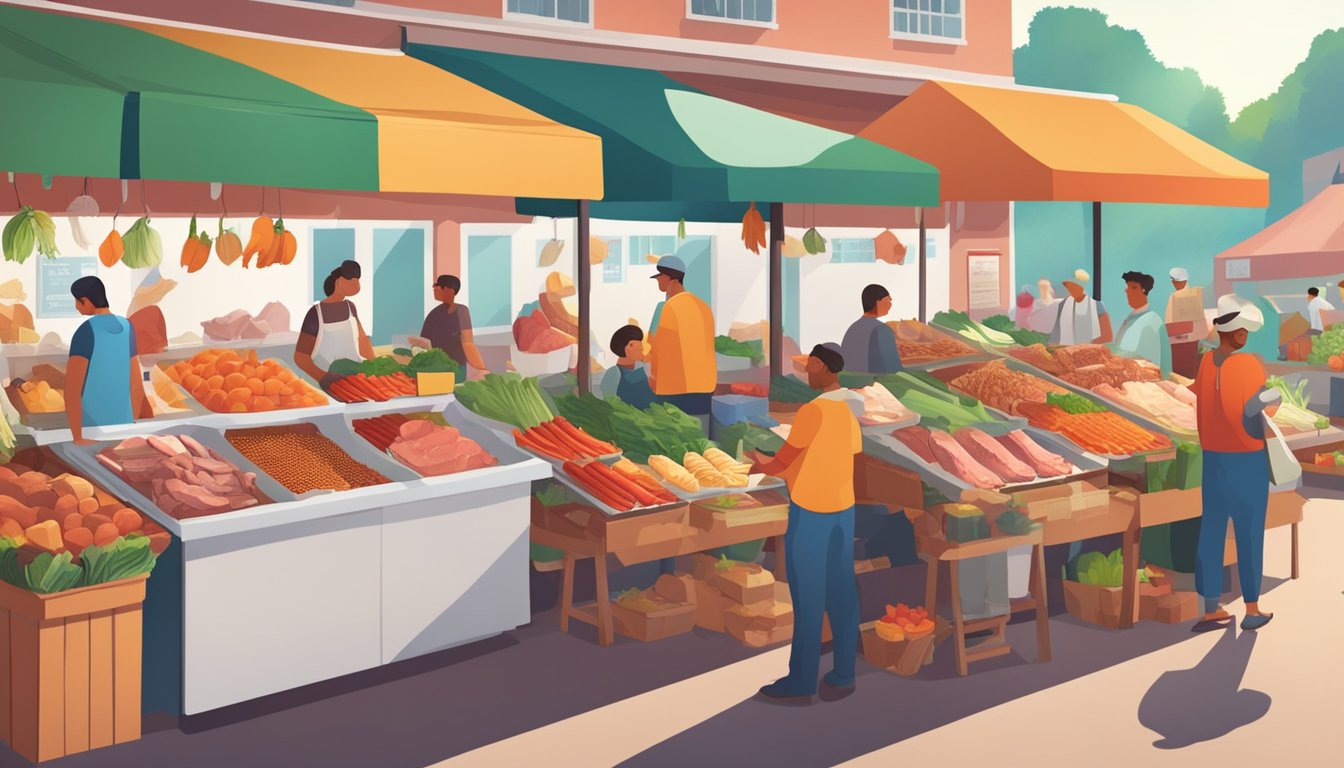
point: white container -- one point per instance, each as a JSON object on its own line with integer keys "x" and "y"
{"x": 545, "y": 364}
{"x": 1019, "y": 572}
{"x": 732, "y": 363}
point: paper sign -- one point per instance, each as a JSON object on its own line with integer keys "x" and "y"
{"x": 984, "y": 281}
{"x": 1238, "y": 269}
{"x": 54, "y": 278}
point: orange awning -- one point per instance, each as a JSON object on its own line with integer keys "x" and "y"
{"x": 436, "y": 131}
{"x": 997, "y": 144}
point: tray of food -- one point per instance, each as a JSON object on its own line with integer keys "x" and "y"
{"x": 307, "y": 462}
{"x": 424, "y": 442}
{"x": 39, "y": 398}
{"x": 709, "y": 474}
{"x": 921, "y": 344}
{"x": 616, "y": 490}
{"x": 236, "y": 381}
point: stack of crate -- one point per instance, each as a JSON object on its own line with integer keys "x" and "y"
{"x": 743, "y": 600}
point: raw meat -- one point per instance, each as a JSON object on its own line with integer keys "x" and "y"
{"x": 275, "y": 316}
{"x": 1042, "y": 461}
{"x": 953, "y": 458}
{"x": 431, "y": 449}
{"x": 917, "y": 439}
{"x": 151, "y": 331}
{"x": 995, "y": 457}
{"x": 181, "y": 476}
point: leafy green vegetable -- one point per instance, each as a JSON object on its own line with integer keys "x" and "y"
{"x": 433, "y": 361}
{"x": 750, "y": 437}
{"x": 403, "y": 352}
{"x": 551, "y": 495}
{"x": 127, "y": 556}
{"x": 789, "y": 389}
{"x": 143, "y": 248}
{"x": 1101, "y": 570}
{"x": 509, "y": 398}
{"x": 1023, "y": 336}
{"x": 813, "y": 242}
{"x": 660, "y": 429}
{"x": 25, "y": 229}
{"x": 726, "y": 345}
{"x": 47, "y": 573}
{"x": 1073, "y": 403}
{"x": 344, "y": 367}
{"x": 931, "y": 399}
{"x": 961, "y": 323}
{"x": 1327, "y": 345}
{"x": 681, "y": 229}
{"x": 380, "y": 366}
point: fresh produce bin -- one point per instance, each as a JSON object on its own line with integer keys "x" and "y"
{"x": 70, "y": 668}
{"x": 1096, "y": 605}
{"x": 904, "y": 657}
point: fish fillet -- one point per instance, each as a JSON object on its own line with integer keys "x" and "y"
{"x": 953, "y": 458}
{"x": 1045, "y": 463}
{"x": 994, "y": 456}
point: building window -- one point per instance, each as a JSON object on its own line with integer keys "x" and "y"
{"x": 613, "y": 268}
{"x": 573, "y": 11}
{"x": 488, "y": 284}
{"x": 853, "y": 250}
{"x": 933, "y": 20}
{"x": 642, "y": 246}
{"x": 751, "y": 12}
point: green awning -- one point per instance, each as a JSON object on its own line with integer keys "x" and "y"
{"x": 710, "y": 213}
{"x": 183, "y": 114}
{"x": 664, "y": 141}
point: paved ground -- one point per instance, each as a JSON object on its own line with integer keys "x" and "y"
{"x": 1156, "y": 694}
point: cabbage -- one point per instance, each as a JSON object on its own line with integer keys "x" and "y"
{"x": 143, "y": 247}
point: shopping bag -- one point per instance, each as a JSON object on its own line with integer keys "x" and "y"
{"x": 1283, "y": 466}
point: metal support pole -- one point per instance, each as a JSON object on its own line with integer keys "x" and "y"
{"x": 776, "y": 289}
{"x": 923, "y": 268}
{"x": 1096, "y": 251}
{"x": 582, "y": 281}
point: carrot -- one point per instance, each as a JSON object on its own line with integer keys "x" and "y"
{"x": 614, "y": 488}
{"x": 548, "y": 446}
{"x": 598, "y": 491}
{"x": 642, "y": 496}
{"x": 554, "y": 436}
{"x": 580, "y": 447}
{"x": 593, "y": 444}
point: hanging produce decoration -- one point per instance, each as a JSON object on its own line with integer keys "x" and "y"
{"x": 112, "y": 249}
{"x": 753, "y": 229}
{"x": 681, "y": 229}
{"x": 227, "y": 245}
{"x": 597, "y": 250}
{"x": 263, "y": 234}
{"x": 143, "y": 248}
{"x": 196, "y": 250}
{"x": 813, "y": 242}
{"x": 552, "y": 250}
{"x": 29, "y": 228}
{"x": 793, "y": 247}
{"x": 81, "y": 207}
{"x": 889, "y": 248}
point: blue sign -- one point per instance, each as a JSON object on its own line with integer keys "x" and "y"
{"x": 54, "y": 278}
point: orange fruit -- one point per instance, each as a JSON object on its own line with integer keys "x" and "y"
{"x": 260, "y": 404}
{"x": 206, "y": 371}
{"x": 237, "y": 408}
{"x": 201, "y": 392}
{"x": 271, "y": 388}
{"x": 235, "y": 381}
{"x": 192, "y": 381}
{"x": 217, "y": 401}
{"x": 228, "y": 366}
{"x": 248, "y": 370}
{"x": 256, "y": 386}
{"x": 215, "y": 381}
{"x": 240, "y": 395}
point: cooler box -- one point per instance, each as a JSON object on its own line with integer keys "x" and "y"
{"x": 732, "y": 409}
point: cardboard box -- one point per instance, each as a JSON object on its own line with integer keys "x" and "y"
{"x": 675, "y": 589}
{"x": 710, "y": 606}
{"x": 1177, "y": 608}
{"x": 877, "y": 482}
{"x": 905, "y": 657}
{"x": 1096, "y": 605}
{"x": 1075, "y": 500}
{"x": 1293, "y": 326}
{"x": 1150, "y": 596}
{"x": 670, "y": 620}
{"x": 747, "y": 584}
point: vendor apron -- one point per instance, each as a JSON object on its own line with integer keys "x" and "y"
{"x": 335, "y": 341}
{"x": 106, "y": 397}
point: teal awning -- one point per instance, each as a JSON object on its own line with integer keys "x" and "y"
{"x": 710, "y": 213}
{"x": 664, "y": 141}
{"x": 71, "y": 87}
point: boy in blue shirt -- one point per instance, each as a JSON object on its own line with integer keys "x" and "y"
{"x": 104, "y": 384}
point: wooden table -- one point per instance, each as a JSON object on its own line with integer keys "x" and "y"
{"x": 939, "y": 550}
{"x": 583, "y": 533}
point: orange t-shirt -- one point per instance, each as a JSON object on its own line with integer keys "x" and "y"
{"x": 1223, "y": 392}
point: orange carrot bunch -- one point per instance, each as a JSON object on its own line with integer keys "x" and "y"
{"x": 753, "y": 230}
{"x": 562, "y": 441}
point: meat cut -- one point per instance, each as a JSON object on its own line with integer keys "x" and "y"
{"x": 431, "y": 449}
{"x": 994, "y": 456}
{"x": 957, "y": 461}
{"x": 1044, "y": 463}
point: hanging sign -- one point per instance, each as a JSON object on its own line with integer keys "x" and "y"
{"x": 54, "y": 278}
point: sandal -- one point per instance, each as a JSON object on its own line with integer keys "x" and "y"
{"x": 1252, "y": 623}
{"x": 1212, "y": 625}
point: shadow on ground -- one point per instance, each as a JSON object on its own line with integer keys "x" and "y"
{"x": 1206, "y": 702}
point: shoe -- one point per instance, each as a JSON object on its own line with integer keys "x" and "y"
{"x": 780, "y": 694}
{"x": 830, "y": 692}
{"x": 1252, "y": 623}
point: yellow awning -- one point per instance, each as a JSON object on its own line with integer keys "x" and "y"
{"x": 436, "y": 131}
{"x": 1000, "y": 144}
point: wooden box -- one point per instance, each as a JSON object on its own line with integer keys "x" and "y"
{"x": 1096, "y": 605}
{"x": 710, "y": 606}
{"x": 747, "y": 584}
{"x": 877, "y": 482}
{"x": 70, "y": 668}
{"x": 671, "y": 620}
{"x": 904, "y": 657}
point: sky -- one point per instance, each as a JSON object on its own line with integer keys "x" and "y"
{"x": 1244, "y": 47}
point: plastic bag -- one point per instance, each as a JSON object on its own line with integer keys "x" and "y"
{"x": 1284, "y": 468}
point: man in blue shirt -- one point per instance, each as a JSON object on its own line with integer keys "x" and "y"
{"x": 1143, "y": 335}
{"x": 104, "y": 384}
{"x": 869, "y": 346}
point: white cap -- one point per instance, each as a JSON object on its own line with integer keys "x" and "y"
{"x": 1180, "y": 275}
{"x": 1236, "y": 313}
{"x": 1081, "y": 276}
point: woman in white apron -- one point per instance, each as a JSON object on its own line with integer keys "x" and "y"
{"x": 331, "y": 330}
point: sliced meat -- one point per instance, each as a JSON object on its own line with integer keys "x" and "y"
{"x": 194, "y": 447}
{"x": 211, "y": 465}
{"x": 953, "y": 458}
{"x": 241, "y": 501}
{"x": 194, "y": 497}
{"x": 917, "y": 439}
{"x": 163, "y": 446}
{"x": 1045, "y": 463}
{"x": 116, "y": 468}
{"x": 994, "y": 456}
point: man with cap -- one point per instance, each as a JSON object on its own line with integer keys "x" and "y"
{"x": 1186, "y": 325}
{"x": 448, "y": 326}
{"x": 1143, "y": 335}
{"x": 818, "y": 463}
{"x": 1081, "y": 319}
{"x": 682, "y": 367}
{"x": 1233, "y": 403}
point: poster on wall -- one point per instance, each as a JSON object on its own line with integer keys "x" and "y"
{"x": 54, "y": 278}
{"x": 1238, "y": 269}
{"x": 983, "y": 271}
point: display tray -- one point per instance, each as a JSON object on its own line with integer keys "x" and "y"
{"x": 756, "y": 482}
{"x": 891, "y": 449}
{"x": 924, "y": 363}
{"x": 603, "y": 507}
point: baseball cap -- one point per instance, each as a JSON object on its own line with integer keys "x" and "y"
{"x": 672, "y": 264}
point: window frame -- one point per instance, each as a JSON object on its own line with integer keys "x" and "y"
{"x": 691, "y": 15}
{"x": 835, "y": 256}
{"x": 522, "y": 16}
{"x": 916, "y": 37}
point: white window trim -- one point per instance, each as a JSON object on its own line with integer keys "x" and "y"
{"x": 547, "y": 21}
{"x": 772, "y": 24}
{"x": 918, "y": 38}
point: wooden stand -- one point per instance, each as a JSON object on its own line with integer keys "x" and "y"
{"x": 940, "y": 551}
{"x": 583, "y": 533}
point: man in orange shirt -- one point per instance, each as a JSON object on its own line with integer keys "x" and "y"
{"x": 1233, "y": 404}
{"x": 818, "y": 463}
{"x": 682, "y": 367}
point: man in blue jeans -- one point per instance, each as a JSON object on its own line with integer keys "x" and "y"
{"x": 818, "y": 463}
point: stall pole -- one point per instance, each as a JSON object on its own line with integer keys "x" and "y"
{"x": 1096, "y": 251}
{"x": 584, "y": 370}
{"x": 776, "y": 289}
{"x": 923, "y": 268}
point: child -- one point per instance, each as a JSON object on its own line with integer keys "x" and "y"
{"x": 627, "y": 379}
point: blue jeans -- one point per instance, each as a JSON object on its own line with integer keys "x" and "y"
{"x": 819, "y": 559}
{"x": 1236, "y": 487}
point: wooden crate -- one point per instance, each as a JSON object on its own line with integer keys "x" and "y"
{"x": 70, "y": 668}
{"x": 1096, "y": 605}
